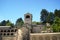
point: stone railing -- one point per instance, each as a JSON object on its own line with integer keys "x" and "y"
{"x": 44, "y": 36}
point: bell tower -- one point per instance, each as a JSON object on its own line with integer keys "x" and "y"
{"x": 28, "y": 18}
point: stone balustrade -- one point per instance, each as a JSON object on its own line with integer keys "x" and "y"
{"x": 44, "y": 36}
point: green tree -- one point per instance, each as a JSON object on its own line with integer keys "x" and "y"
{"x": 19, "y": 22}
{"x": 50, "y": 18}
{"x": 56, "y": 25}
{"x": 44, "y": 14}
{"x": 8, "y": 23}
{"x": 57, "y": 13}
{"x": 3, "y": 23}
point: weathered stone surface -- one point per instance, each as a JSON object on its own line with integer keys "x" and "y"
{"x": 40, "y": 38}
{"x": 54, "y": 38}
{"x": 44, "y": 36}
{"x": 47, "y": 38}
{"x": 8, "y": 38}
{"x": 19, "y": 34}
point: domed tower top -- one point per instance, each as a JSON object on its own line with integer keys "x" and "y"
{"x": 28, "y": 18}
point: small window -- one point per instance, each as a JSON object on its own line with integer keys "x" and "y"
{"x": 4, "y": 30}
{"x": 1, "y": 30}
{"x": 27, "y": 16}
{"x": 8, "y": 31}
{"x": 4, "y": 34}
{"x": 11, "y": 33}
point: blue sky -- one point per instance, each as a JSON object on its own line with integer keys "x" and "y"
{"x": 14, "y": 9}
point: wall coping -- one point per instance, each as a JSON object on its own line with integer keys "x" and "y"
{"x": 43, "y": 33}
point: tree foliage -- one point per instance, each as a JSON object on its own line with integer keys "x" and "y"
{"x": 57, "y": 13}
{"x": 6, "y": 23}
{"x": 50, "y": 18}
{"x": 19, "y": 22}
{"x": 56, "y": 25}
{"x": 3, "y": 23}
{"x": 44, "y": 14}
{"x": 47, "y": 16}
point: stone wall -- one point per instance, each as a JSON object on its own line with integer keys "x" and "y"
{"x": 45, "y": 36}
{"x": 25, "y": 34}
{"x": 19, "y": 34}
{"x": 9, "y": 38}
{"x": 12, "y": 34}
{"x": 37, "y": 29}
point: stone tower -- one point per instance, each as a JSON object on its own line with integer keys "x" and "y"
{"x": 28, "y": 18}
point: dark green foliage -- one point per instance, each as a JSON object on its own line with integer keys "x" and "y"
{"x": 57, "y": 13}
{"x": 3, "y": 23}
{"x": 6, "y": 23}
{"x": 44, "y": 14}
{"x": 47, "y": 16}
{"x": 56, "y": 25}
{"x": 50, "y": 18}
{"x": 19, "y": 22}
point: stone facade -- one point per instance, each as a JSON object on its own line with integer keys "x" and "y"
{"x": 45, "y": 36}
{"x": 28, "y": 31}
{"x": 9, "y": 33}
{"x": 37, "y": 28}
{"x": 28, "y": 18}
{"x": 9, "y": 38}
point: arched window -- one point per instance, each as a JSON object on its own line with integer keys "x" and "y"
{"x": 4, "y": 34}
{"x": 1, "y": 30}
{"x": 4, "y": 30}
{"x": 11, "y": 33}
{"x": 27, "y": 16}
{"x": 7, "y": 33}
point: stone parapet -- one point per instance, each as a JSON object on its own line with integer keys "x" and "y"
{"x": 44, "y": 36}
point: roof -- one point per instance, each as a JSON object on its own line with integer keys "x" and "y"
{"x": 5, "y": 26}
